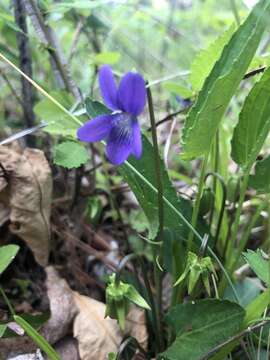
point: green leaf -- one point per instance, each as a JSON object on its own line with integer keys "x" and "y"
{"x": 204, "y": 117}
{"x": 2, "y": 329}
{"x": 260, "y": 181}
{"x": 173, "y": 87}
{"x": 258, "y": 264}
{"x": 206, "y": 58}
{"x": 7, "y": 254}
{"x": 59, "y": 122}
{"x": 200, "y": 326}
{"x": 95, "y": 108}
{"x": 247, "y": 290}
{"x": 249, "y": 135}
{"x": 133, "y": 296}
{"x": 254, "y": 310}
{"x": 147, "y": 197}
{"x": 107, "y": 57}
{"x": 70, "y": 154}
{"x": 37, "y": 338}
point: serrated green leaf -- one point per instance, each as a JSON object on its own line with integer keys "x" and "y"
{"x": 254, "y": 310}
{"x": 70, "y": 154}
{"x": 249, "y": 135}
{"x": 260, "y": 181}
{"x": 95, "y": 108}
{"x": 258, "y": 264}
{"x": 200, "y": 326}
{"x": 204, "y": 118}
{"x": 59, "y": 123}
{"x": 206, "y": 58}
{"x": 148, "y": 198}
{"x": 7, "y": 254}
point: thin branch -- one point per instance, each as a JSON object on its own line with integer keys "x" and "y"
{"x": 26, "y": 67}
{"x": 48, "y": 38}
{"x": 12, "y": 89}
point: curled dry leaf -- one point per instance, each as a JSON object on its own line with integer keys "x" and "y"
{"x": 62, "y": 307}
{"x": 98, "y": 336}
{"x": 26, "y": 192}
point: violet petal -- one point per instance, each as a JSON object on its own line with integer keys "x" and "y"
{"x": 131, "y": 94}
{"x": 137, "y": 140}
{"x": 95, "y": 129}
{"x": 108, "y": 87}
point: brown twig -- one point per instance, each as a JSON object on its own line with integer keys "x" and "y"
{"x": 49, "y": 40}
{"x": 26, "y": 66}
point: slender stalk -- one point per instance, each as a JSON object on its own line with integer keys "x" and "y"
{"x": 10, "y": 307}
{"x": 157, "y": 272}
{"x": 239, "y": 209}
{"x": 195, "y": 211}
{"x": 231, "y": 260}
{"x": 235, "y": 12}
{"x": 40, "y": 89}
{"x": 244, "y": 238}
{"x": 215, "y": 151}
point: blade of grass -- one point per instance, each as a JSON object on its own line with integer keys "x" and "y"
{"x": 38, "y": 339}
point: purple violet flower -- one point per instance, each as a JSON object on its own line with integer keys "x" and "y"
{"x": 120, "y": 129}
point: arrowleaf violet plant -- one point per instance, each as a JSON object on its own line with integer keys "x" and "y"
{"x": 120, "y": 129}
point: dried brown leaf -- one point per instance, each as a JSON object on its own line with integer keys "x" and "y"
{"x": 62, "y": 307}
{"x": 136, "y": 326}
{"x": 98, "y": 336}
{"x": 27, "y": 193}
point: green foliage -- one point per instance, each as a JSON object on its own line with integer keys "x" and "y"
{"x": 249, "y": 135}
{"x": 95, "y": 108}
{"x": 254, "y": 310}
{"x": 247, "y": 290}
{"x": 197, "y": 267}
{"x": 147, "y": 197}
{"x": 107, "y": 57}
{"x": 175, "y": 88}
{"x": 258, "y": 264}
{"x": 260, "y": 181}
{"x": 37, "y": 338}
{"x": 36, "y": 321}
{"x": 59, "y": 123}
{"x": 200, "y": 326}
{"x": 70, "y": 154}
{"x": 204, "y": 118}
{"x": 7, "y": 254}
{"x": 205, "y": 60}
{"x": 118, "y": 297}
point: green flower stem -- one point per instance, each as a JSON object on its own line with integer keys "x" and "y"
{"x": 156, "y": 250}
{"x": 196, "y": 207}
{"x": 231, "y": 261}
{"x": 10, "y": 307}
{"x": 235, "y": 12}
{"x": 244, "y": 238}
{"x": 215, "y": 155}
